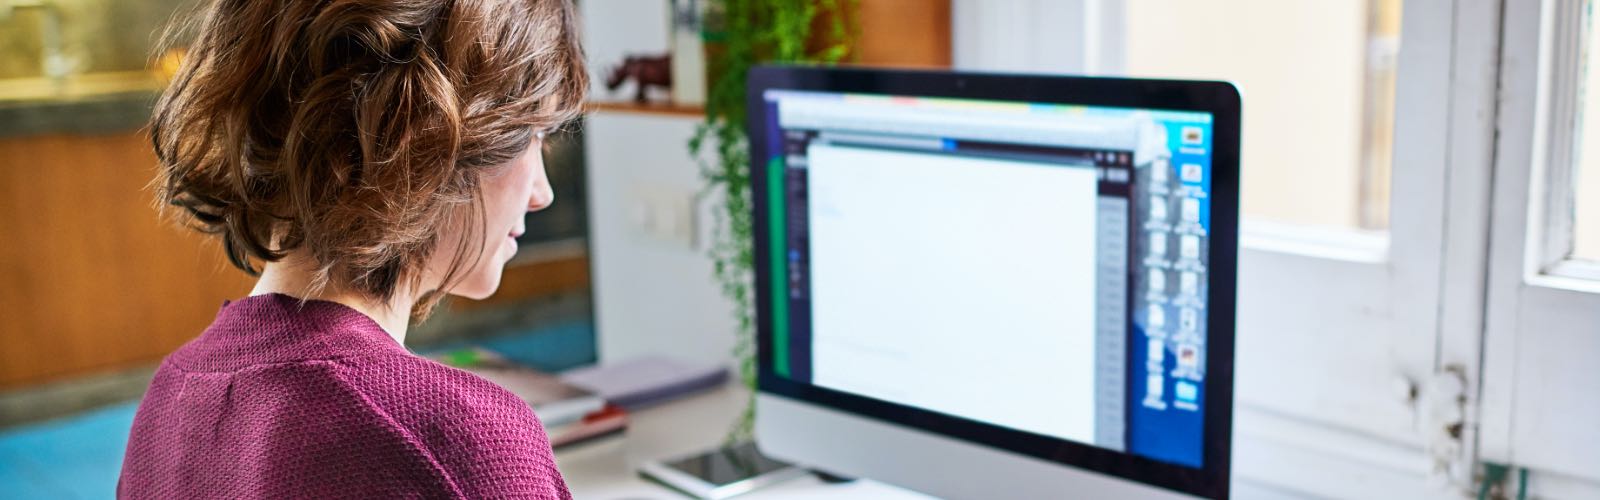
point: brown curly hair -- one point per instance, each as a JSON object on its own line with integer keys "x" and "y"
{"x": 358, "y": 129}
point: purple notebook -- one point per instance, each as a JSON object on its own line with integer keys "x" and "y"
{"x": 642, "y": 382}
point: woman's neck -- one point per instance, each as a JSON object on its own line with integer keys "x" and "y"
{"x": 291, "y": 276}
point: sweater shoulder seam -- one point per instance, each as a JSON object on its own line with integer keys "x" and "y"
{"x": 405, "y": 432}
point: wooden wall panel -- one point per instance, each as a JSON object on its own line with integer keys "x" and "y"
{"x": 913, "y": 33}
{"x": 90, "y": 279}
{"x": 533, "y": 279}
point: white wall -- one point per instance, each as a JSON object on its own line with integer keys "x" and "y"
{"x": 652, "y": 282}
{"x": 653, "y": 286}
{"x": 1017, "y": 36}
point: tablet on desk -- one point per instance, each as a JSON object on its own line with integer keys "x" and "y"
{"x": 721, "y": 473}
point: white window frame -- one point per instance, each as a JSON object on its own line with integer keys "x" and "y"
{"x": 1391, "y": 317}
{"x": 1543, "y": 306}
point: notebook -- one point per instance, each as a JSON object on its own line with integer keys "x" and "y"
{"x": 646, "y": 381}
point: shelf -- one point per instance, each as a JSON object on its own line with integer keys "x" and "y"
{"x": 648, "y": 108}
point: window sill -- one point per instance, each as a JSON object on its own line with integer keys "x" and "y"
{"x": 1571, "y": 275}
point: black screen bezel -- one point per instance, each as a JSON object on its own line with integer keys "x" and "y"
{"x": 1220, "y": 99}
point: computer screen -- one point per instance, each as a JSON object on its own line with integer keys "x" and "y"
{"x": 1035, "y": 266}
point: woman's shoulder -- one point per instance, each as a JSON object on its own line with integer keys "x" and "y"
{"x": 406, "y": 383}
{"x": 484, "y": 438}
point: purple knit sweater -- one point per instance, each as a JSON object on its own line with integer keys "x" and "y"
{"x": 283, "y": 400}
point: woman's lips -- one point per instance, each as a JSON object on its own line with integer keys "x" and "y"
{"x": 512, "y": 238}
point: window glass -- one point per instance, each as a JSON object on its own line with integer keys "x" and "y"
{"x": 1318, "y": 80}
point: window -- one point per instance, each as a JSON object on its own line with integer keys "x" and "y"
{"x": 1586, "y": 171}
{"x": 1327, "y": 68}
{"x": 1586, "y": 232}
{"x": 1568, "y": 189}
{"x": 1539, "y": 334}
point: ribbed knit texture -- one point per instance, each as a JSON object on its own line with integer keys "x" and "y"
{"x": 279, "y": 399}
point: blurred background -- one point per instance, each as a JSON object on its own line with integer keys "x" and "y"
{"x": 95, "y": 289}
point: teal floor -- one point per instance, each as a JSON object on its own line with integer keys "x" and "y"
{"x": 73, "y": 457}
{"x": 80, "y": 456}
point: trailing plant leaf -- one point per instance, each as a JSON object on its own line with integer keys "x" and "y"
{"x": 741, "y": 34}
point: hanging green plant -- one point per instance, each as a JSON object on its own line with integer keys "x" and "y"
{"x": 740, "y": 34}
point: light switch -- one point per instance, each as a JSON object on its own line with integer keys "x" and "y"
{"x": 664, "y": 214}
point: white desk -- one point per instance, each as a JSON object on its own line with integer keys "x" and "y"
{"x": 606, "y": 469}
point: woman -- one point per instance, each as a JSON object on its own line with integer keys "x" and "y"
{"x": 372, "y": 156}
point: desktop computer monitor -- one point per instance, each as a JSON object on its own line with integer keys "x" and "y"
{"x": 996, "y": 286}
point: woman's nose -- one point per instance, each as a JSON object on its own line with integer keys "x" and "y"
{"x": 542, "y": 197}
